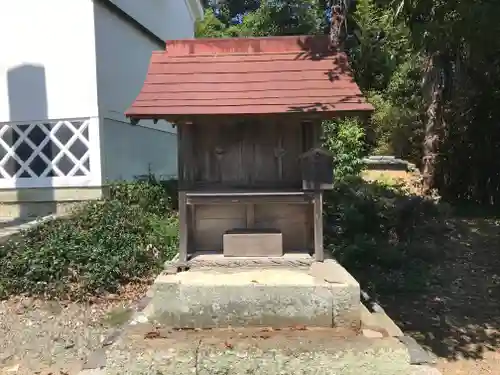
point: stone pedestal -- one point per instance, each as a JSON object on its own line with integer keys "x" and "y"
{"x": 323, "y": 296}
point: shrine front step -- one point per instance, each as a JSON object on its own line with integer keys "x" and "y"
{"x": 326, "y": 295}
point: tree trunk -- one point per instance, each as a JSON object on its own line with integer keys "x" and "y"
{"x": 433, "y": 87}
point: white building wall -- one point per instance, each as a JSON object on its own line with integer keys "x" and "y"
{"x": 48, "y": 76}
{"x": 168, "y": 19}
{"x": 47, "y": 60}
{"x": 123, "y": 53}
{"x": 66, "y": 78}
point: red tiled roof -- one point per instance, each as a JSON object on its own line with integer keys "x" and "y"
{"x": 247, "y": 76}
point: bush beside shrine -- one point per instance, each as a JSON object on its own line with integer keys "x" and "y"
{"x": 102, "y": 246}
{"x": 383, "y": 232}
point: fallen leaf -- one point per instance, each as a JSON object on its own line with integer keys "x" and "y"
{"x": 69, "y": 345}
{"x": 228, "y": 345}
{"x": 152, "y": 335}
{"x": 299, "y": 327}
{"x": 263, "y": 336}
{"x": 267, "y": 329}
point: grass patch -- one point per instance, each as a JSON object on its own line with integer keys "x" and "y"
{"x": 103, "y": 245}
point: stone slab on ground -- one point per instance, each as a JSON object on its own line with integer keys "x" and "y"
{"x": 255, "y": 352}
{"x": 207, "y": 298}
{"x": 418, "y": 355}
{"x": 380, "y": 322}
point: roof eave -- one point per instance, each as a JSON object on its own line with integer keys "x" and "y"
{"x": 135, "y": 117}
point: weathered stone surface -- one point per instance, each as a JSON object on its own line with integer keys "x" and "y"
{"x": 380, "y": 321}
{"x": 217, "y": 261}
{"x": 424, "y": 370}
{"x": 93, "y": 372}
{"x": 347, "y": 302}
{"x": 96, "y": 360}
{"x": 266, "y": 297}
{"x": 331, "y": 271}
{"x": 418, "y": 355}
{"x": 372, "y": 334}
{"x": 384, "y": 321}
{"x": 303, "y": 354}
{"x": 253, "y": 244}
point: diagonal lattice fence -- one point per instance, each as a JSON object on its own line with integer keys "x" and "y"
{"x": 45, "y": 150}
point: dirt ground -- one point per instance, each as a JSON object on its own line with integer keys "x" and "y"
{"x": 458, "y": 317}
{"x": 44, "y": 337}
{"x": 56, "y": 337}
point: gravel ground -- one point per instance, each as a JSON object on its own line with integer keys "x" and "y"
{"x": 53, "y": 337}
{"x": 489, "y": 364}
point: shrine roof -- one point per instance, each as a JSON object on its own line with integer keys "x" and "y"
{"x": 247, "y": 76}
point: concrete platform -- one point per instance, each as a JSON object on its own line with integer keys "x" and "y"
{"x": 247, "y": 351}
{"x": 324, "y": 296}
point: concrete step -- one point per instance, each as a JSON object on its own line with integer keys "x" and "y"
{"x": 324, "y": 296}
{"x": 242, "y": 352}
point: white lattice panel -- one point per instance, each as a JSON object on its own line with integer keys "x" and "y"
{"x": 35, "y": 153}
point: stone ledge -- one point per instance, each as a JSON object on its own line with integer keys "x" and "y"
{"x": 264, "y": 297}
{"x": 219, "y": 261}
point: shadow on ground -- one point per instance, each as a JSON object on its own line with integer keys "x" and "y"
{"x": 436, "y": 274}
{"x": 458, "y": 315}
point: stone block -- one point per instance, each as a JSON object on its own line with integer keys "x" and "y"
{"x": 253, "y": 243}
{"x": 252, "y": 297}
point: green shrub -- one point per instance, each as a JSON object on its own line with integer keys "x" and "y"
{"x": 103, "y": 245}
{"x": 380, "y": 232}
{"x": 385, "y": 237}
{"x": 148, "y": 194}
{"x": 345, "y": 140}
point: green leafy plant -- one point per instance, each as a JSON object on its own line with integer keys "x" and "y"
{"x": 345, "y": 140}
{"x": 103, "y": 245}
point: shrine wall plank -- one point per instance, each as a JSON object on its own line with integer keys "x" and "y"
{"x": 243, "y": 155}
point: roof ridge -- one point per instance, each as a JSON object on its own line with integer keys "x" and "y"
{"x": 249, "y": 45}
{"x": 266, "y": 53}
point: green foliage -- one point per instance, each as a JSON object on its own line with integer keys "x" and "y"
{"x": 380, "y": 233}
{"x": 383, "y": 44}
{"x": 149, "y": 195}
{"x": 388, "y": 70}
{"x": 263, "y": 18}
{"x": 210, "y": 27}
{"x": 103, "y": 245}
{"x": 345, "y": 140}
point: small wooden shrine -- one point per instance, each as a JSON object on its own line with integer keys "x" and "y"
{"x": 248, "y": 114}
